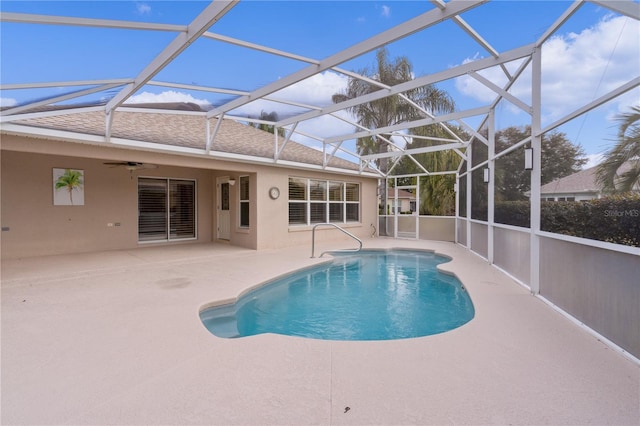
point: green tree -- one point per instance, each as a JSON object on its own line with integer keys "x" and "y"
{"x": 268, "y": 116}
{"x": 71, "y": 180}
{"x": 620, "y": 169}
{"x": 560, "y": 158}
{"x": 437, "y": 195}
{"x": 390, "y": 110}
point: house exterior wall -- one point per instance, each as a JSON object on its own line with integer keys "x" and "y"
{"x": 404, "y": 204}
{"x": 577, "y": 196}
{"x": 36, "y": 227}
{"x": 273, "y": 221}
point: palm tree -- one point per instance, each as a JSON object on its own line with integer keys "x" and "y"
{"x": 392, "y": 109}
{"x": 437, "y": 195}
{"x": 71, "y": 179}
{"x": 620, "y": 170}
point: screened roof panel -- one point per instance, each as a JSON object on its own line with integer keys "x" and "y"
{"x": 240, "y": 59}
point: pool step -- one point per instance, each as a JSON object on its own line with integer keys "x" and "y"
{"x": 222, "y": 325}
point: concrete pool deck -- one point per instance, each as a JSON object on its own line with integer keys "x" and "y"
{"x": 115, "y": 338}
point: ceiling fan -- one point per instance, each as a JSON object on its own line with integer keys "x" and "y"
{"x": 130, "y": 165}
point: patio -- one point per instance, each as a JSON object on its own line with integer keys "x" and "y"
{"x": 115, "y": 338}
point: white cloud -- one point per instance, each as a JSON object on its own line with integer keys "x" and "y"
{"x": 316, "y": 90}
{"x": 576, "y": 68}
{"x": 325, "y": 126}
{"x": 8, "y": 102}
{"x": 143, "y": 8}
{"x": 166, "y": 96}
{"x": 592, "y": 160}
{"x": 386, "y": 11}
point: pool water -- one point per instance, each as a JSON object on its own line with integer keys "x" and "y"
{"x": 372, "y": 295}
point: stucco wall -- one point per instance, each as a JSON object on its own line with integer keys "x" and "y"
{"x": 37, "y": 227}
{"x": 273, "y": 221}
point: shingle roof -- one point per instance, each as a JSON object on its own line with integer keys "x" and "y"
{"x": 186, "y": 130}
{"x": 582, "y": 181}
{"x": 391, "y": 193}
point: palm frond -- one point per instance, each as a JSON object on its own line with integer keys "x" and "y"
{"x": 626, "y": 153}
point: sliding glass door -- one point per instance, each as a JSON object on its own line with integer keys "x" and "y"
{"x": 166, "y": 209}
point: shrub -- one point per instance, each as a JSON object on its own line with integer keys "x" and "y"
{"x": 615, "y": 219}
{"x": 516, "y": 213}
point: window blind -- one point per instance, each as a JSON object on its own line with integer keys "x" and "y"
{"x": 152, "y": 209}
{"x": 319, "y": 201}
{"x": 244, "y": 201}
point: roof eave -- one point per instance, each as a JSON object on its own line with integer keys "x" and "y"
{"x": 99, "y": 140}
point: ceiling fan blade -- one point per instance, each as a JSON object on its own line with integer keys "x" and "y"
{"x": 147, "y": 166}
{"x": 130, "y": 165}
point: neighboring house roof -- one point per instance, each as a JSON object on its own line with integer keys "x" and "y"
{"x": 184, "y": 130}
{"x": 583, "y": 181}
{"x": 391, "y": 193}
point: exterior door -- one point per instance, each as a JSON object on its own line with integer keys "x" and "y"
{"x": 224, "y": 218}
{"x": 405, "y": 212}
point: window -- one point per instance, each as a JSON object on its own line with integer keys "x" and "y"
{"x": 166, "y": 209}
{"x": 244, "y": 201}
{"x": 314, "y": 201}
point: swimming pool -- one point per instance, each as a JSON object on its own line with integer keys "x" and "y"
{"x": 371, "y": 295}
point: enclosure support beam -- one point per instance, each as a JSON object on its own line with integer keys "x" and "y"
{"x": 449, "y": 74}
{"x": 536, "y": 173}
{"x": 200, "y": 24}
{"x": 405, "y": 29}
{"x": 212, "y": 135}
{"x": 287, "y": 137}
{"x": 492, "y": 186}
{"x": 423, "y": 150}
{"x": 468, "y": 195}
{"x": 61, "y": 98}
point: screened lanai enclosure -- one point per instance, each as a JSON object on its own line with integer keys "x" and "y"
{"x": 463, "y": 111}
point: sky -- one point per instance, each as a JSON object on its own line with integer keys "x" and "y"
{"x": 594, "y": 52}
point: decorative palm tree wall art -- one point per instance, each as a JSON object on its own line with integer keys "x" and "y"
{"x": 66, "y": 184}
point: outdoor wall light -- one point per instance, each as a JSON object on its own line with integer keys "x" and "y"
{"x": 485, "y": 175}
{"x": 232, "y": 182}
{"x": 528, "y": 158}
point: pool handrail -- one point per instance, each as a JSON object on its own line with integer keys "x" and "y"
{"x": 313, "y": 240}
